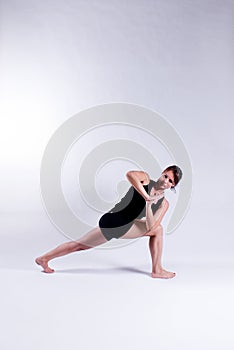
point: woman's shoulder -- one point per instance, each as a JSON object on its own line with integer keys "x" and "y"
{"x": 165, "y": 202}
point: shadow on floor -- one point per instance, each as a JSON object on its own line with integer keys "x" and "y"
{"x": 103, "y": 270}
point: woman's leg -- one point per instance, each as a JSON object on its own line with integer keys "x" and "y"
{"x": 91, "y": 239}
{"x": 155, "y": 246}
{"x": 139, "y": 229}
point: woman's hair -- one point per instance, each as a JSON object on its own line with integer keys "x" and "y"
{"x": 177, "y": 172}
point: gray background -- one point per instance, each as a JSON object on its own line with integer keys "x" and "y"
{"x": 58, "y": 58}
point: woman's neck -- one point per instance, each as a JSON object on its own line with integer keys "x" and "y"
{"x": 158, "y": 188}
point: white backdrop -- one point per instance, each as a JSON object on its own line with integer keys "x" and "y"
{"x": 175, "y": 57}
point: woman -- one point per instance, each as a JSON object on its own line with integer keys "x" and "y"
{"x": 145, "y": 198}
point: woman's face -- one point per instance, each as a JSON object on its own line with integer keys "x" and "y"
{"x": 166, "y": 180}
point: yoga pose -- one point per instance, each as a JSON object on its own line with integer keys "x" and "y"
{"x": 144, "y": 199}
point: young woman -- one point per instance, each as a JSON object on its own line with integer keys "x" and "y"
{"x": 145, "y": 198}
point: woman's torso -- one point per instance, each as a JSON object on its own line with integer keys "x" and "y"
{"x": 132, "y": 205}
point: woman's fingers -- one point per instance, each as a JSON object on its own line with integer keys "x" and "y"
{"x": 154, "y": 199}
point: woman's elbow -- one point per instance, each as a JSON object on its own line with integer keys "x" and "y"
{"x": 129, "y": 173}
{"x": 130, "y": 176}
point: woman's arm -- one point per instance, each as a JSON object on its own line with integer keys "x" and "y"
{"x": 152, "y": 221}
{"x": 138, "y": 179}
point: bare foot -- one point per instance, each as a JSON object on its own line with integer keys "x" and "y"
{"x": 44, "y": 264}
{"x": 163, "y": 274}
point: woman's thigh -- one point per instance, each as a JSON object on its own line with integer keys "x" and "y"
{"x": 138, "y": 229}
{"x": 92, "y": 238}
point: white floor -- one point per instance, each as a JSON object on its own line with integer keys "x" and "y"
{"x": 106, "y": 299}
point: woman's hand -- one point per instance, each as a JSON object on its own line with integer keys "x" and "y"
{"x": 154, "y": 199}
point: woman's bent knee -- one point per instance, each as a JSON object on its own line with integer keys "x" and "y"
{"x": 156, "y": 231}
{"x": 160, "y": 228}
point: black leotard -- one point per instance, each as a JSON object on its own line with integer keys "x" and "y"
{"x": 119, "y": 219}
